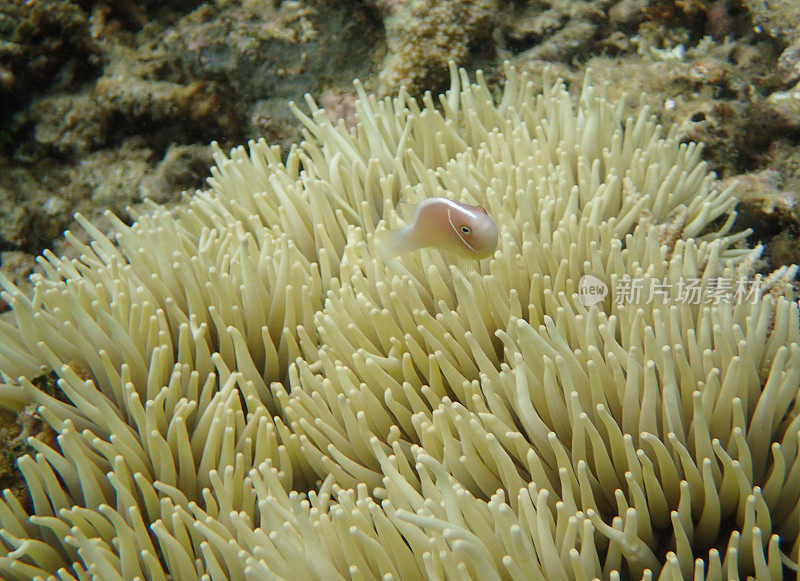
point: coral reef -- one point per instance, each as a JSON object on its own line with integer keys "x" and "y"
{"x": 43, "y": 44}
{"x": 556, "y": 30}
{"x": 93, "y": 90}
{"x": 778, "y": 18}
{"x": 250, "y": 392}
{"x": 83, "y": 78}
{"x": 422, "y": 36}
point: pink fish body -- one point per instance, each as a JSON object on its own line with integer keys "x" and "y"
{"x": 467, "y": 231}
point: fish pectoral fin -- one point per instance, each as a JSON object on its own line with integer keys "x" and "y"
{"x": 465, "y": 265}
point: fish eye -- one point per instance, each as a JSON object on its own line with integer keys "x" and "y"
{"x": 465, "y": 229}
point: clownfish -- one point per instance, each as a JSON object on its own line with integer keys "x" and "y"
{"x": 467, "y": 231}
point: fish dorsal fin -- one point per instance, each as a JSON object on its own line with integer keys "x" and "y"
{"x": 406, "y": 211}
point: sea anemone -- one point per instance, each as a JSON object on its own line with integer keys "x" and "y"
{"x": 248, "y": 391}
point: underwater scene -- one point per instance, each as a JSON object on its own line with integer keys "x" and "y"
{"x": 399, "y": 290}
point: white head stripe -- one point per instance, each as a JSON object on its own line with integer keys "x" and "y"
{"x": 458, "y": 233}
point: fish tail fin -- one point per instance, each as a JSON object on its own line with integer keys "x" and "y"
{"x": 392, "y": 243}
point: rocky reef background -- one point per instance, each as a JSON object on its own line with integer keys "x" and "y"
{"x": 108, "y": 103}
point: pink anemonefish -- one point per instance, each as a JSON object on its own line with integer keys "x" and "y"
{"x": 467, "y": 231}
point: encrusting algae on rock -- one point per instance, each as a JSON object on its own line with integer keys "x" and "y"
{"x": 251, "y": 392}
